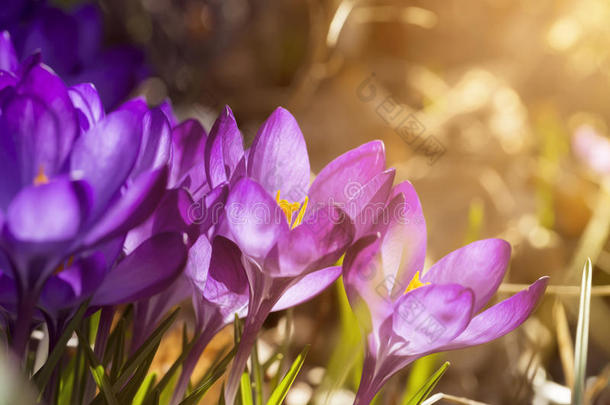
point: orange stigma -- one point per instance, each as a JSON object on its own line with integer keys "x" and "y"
{"x": 41, "y": 178}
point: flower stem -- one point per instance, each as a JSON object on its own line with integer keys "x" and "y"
{"x": 189, "y": 364}
{"x": 21, "y": 331}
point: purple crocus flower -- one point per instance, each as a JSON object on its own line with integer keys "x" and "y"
{"x": 407, "y": 315}
{"x": 75, "y": 180}
{"x": 71, "y": 43}
{"x": 284, "y": 240}
{"x": 215, "y": 276}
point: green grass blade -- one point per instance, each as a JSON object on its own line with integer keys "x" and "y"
{"x": 425, "y": 390}
{"x": 41, "y": 378}
{"x": 145, "y": 390}
{"x": 342, "y": 360}
{"x": 421, "y": 370}
{"x": 168, "y": 377}
{"x": 212, "y": 376}
{"x": 97, "y": 370}
{"x": 280, "y": 392}
{"x": 582, "y": 336}
{"x": 258, "y": 375}
{"x": 144, "y": 351}
{"x": 246, "y": 390}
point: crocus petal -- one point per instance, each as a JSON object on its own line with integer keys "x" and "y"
{"x": 145, "y": 272}
{"x": 368, "y": 290}
{"x": 365, "y": 206}
{"x": 31, "y": 132}
{"x": 8, "y": 57}
{"x": 227, "y": 285}
{"x": 208, "y": 213}
{"x": 49, "y": 212}
{"x": 198, "y": 262}
{"x": 278, "y": 157}
{"x": 254, "y": 218}
{"x": 114, "y": 72}
{"x": 429, "y": 317}
{"x": 73, "y": 285}
{"x": 188, "y": 147}
{"x": 170, "y": 215}
{"x": 224, "y": 148}
{"x": 344, "y": 177}
{"x": 402, "y": 225}
{"x": 106, "y": 154}
{"x": 87, "y": 101}
{"x": 41, "y": 83}
{"x": 155, "y": 148}
{"x": 501, "y": 318}
{"x": 479, "y": 266}
{"x": 308, "y": 287}
{"x": 131, "y": 209}
{"x": 314, "y": 244}
{"x": 89, "y": 24}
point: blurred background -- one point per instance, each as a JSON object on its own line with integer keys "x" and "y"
{"x": 479, "y": 104}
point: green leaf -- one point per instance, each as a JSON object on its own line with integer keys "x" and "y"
{"x": 152, "y": 343}
{"x": 145, "y": 389}
{"x": 168, "y": 377}
{"x": 238, "y": 327}
{"x": 280, "y": 392}
{"x": 102, "y": 382}
{"x": 347, "y": 356}
{"x": 132, "y": 387}
{"x": 425, "y": 390}
{"x": 211, "y": 377}
{"x": 582, "y": 336}
{"x": 418, "y": 375}
{"x": 141, "y": 356}
{"x": 258, "y": 375}
{"x": 97, "y": 370}
{"x": 41, "y": 378}
{"x": 246, "y": 390}
{"x": 283, "y": 350}
{"x": 118, "y": 354}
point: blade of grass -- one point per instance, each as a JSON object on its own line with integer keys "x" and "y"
{"x": 425, "y": 390}
{"x": 280, "y": 392}
{"x": 97, "y": 370}
{"x": 167, "y": 377}
{"x": 145, "y": 390}
{"x": 343, "y": 360}
{"x": 213, "y": 375}
{"x": 582, "y": 336}
{"x": 42, "y": 377}
{"x": 246, "y": 390}
{"x": 419, "y": 374}
{"x": 258, "y": 375}
{"x": 143, "y": 352}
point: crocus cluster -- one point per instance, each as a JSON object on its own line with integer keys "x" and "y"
{"x": 129, "y": 206}
{"x": 75, "y": 180}
{"x": 72, "y": 44}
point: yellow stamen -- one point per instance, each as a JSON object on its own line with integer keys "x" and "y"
{"x": 41, "y": 178}
{"x": 290, "y": 208}
{"x": 415, "y": 283}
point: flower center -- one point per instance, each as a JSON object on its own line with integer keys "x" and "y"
{"x": 64, "y": 265}
{"x": 41, "y": 178}
{"x": 415, "y": 283}
{"x": 290, "y": 208}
